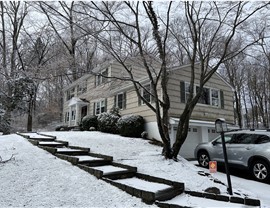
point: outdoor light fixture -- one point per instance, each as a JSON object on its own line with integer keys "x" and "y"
{"x": 221, "y": 127}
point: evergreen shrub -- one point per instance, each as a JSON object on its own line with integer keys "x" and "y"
{"x": 88, "y": 122}
{"x": 107, "y": 122}
{"x": 62, "y": 128}
{"x": 131, "y": 125}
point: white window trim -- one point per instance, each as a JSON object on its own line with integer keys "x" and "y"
{"x": 123, "y": 100}
{"x": 73, "y": 114}
{"x": 100, "y": 79}
{"x": 67, "y": 117}
{"x": 102, "y": 104}
{"x": 82, "y": 87}
{"x": 210, "y": 95}
{"x": 142, "y": 91}
{"x": 70, "y": 93}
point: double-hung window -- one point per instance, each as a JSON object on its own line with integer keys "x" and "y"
{"x": 70, "y": 93}
{"x": 209, "y": 96}
{"x": 101, "y": 78}
{"x": 73, "y": 113}
{"x": 67, "y": 117}
{"x": 205, "y": 96}
{"x": 120, "y": 100}
{"x": 82, "y": 88}
{"x": 146, "y": 93}
{"x": 215, "y": 97}
{"x": 100, "y": 107}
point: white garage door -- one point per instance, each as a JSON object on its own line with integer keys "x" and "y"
{"x": 193, "y": 139}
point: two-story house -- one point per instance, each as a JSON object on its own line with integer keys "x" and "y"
{"x": 95, "y": 94}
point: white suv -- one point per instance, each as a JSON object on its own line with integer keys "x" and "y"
{"x": 248, "y": 149}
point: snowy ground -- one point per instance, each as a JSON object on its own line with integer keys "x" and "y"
{"x": 36, "y": 178}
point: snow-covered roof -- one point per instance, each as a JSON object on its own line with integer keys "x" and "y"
{"x": 77, "y": 101}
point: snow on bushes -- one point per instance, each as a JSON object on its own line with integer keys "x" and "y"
{"x": 107, "y": 122}
{"x": 89, "y": 122}
{"x": 131, "y": 125}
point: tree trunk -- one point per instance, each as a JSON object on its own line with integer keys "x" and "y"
{"x": 183, "y": 126}
{"x": 238, "y": 110}
{"x": 29, "y": 116}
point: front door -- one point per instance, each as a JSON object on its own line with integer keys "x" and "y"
{"x": 83, "y": 111}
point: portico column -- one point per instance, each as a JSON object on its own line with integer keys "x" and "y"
{"x": 77, "y": 114}
{"x": 69, "y": 121}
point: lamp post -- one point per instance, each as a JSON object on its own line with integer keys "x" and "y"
{"x": 221, "y": 127}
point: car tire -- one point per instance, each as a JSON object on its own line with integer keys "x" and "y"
{"x": 203, "y": 159}
{"x": 260, "y": 170}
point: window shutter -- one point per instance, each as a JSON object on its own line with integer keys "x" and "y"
{"x": 221, "y": 99}
{"x": 139, "y": 98}
{"x": 115, "y": 99}
{"x": 182, "y": 92}
{"x": 153, "y": 99}
{"x": 94, "y": 109}
{"x": 105, "y": 108}
{"x": 124, "y": 100}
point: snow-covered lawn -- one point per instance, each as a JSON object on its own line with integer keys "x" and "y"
{"x": 37, "y": 178}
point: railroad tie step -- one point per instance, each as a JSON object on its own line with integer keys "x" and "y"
{"x": 52, "y": 144}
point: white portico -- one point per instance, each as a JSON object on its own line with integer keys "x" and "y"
{"x": 77, "y": 110}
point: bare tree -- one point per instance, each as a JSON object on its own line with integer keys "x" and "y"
{"x": 66, "y": 25}
{"x": 12, "y": 19}
{"x": 211, "y": 29}
{"x": 123, "y": 39}
{"x": 235, "y": 75}
{"x": 206, "y": 34}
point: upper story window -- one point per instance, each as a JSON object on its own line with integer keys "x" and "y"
{"x": 120, "y": 100}
{"x": 70, "y": 93}
{"x": 205, "y": 96}
{"x": 209, "y": 96}
{"x": 82, "y": 88}
{"x": 102, "y": 77}
{"x": 100, "y": 107}
{"x": 146, "y": 92}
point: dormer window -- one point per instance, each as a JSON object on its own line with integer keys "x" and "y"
{"x": 101, "y": 78}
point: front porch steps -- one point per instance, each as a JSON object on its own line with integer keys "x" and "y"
{"x": 150, "y": 189}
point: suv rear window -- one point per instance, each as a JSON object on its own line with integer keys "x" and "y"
{"x": 260, "y": 139}
{"x": 242, "y": 139}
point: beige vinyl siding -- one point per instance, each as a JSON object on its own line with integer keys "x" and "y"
{"x": 201, "y": 111}
{"x": 110, "y": 89}
{"x": 132, "y": 107}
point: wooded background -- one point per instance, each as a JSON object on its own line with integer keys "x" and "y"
{"x": 47, "y": 45}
